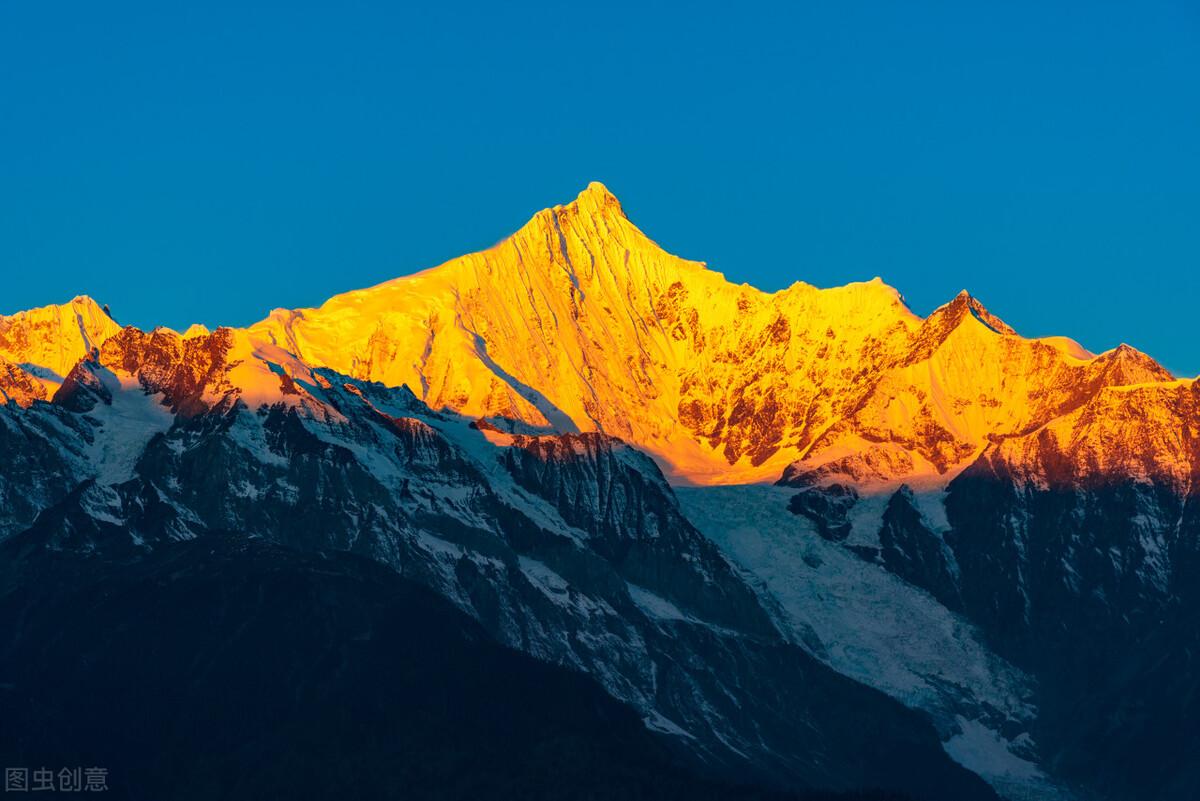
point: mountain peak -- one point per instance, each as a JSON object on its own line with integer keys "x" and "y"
{"x": 79, "y": 304}
{"x": 1127, "y": 365}
{"x": 598, "y": 191}
{"x": 595, "y": 199}
{"x": 578, "y": 321}
{"x": 46, "y": 342}
{"x": 965, "y": 304}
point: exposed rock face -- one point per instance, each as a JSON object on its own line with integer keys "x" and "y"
{"x": 1079, "y": 547}
{"x": 828, "y": 508}
{"x": 19, "y": 386}
{"x": 45, "y": 455}
{"x": 1088, "y": 522}
{"x": 913, "y": 551}
{"x": 618, "y": 496}
{"x": 190, "y": 372}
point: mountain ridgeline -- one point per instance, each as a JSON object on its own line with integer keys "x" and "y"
{"x": 756, "y": 543}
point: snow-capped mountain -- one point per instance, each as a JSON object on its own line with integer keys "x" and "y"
{"x": 937, "y": 547}
{"x": 579, "y": 321}
{"x": 40, "y": 346}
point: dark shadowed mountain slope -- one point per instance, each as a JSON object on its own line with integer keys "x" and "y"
{"x": 232, "y": 668}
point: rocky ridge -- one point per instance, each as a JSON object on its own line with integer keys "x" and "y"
{"x": 580, "y": 322}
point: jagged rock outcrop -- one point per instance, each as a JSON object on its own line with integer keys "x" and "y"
{"x": 618, "y": 496}
{"x": 828, "y": 508}
{"x": 46, "y": 454}
{"x": 910, "y": 548}
{"x": 19, "y": 386}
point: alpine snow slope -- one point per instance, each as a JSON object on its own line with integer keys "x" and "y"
{"x": 812, "y": 538}
{"x": 579, "y": 321}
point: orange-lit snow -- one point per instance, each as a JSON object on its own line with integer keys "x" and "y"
{"x": 580, "y": 320}
{"x": 47, "y": 342}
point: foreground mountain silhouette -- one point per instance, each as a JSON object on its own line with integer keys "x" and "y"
{"x": 243, "y": 629}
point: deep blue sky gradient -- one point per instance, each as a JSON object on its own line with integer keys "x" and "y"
{"x": 209, "y": 161}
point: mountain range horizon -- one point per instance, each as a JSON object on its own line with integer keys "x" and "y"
{"x": 596, "y": 185}
{"x": 374, "y": 333}
{"x": 800, "y": 541}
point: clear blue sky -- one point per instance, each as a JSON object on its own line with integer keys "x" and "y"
{"x": 208, "y": 161}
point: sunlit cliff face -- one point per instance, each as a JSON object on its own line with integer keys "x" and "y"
{"x": 40, "y": 346}
{"x": 580, "y": 322}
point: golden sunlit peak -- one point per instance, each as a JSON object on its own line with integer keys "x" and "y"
{"x": 597, "y": 189}
{"x": 579, "y": 321}
{"x": 596, "y": 197}
{"x": 196, "y": 330}
{"x": 965, "y": 306}
{"x": 84, "y": 303}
